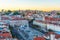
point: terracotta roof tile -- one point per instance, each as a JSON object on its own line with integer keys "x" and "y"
{"x": 39, "y": 38}
{"x": 57, "y": 36}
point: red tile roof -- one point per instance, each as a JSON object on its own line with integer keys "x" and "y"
{"x": 17, "y": 19}
{"x": 5, "y": 18}
{"x": 39, "y": 38}
{"x": 47, "y": 22}
{"x": 47, "y": 34}
{"x": 52, "y": 19}
{"x": 51, "y": 33}
{"x": 57, "y": 36}
{"x": 6, "y": 35}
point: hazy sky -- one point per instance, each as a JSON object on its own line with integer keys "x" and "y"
{"x": 30, "y": 4}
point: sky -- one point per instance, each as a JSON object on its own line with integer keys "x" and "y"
{"x": 45, "y": 5}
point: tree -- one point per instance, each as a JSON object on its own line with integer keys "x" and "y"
{"x": 58, "y": 13}
{"x": 8, "y": 12}
{"x": 16, "y": 13}
{"x": 50, "y": 30}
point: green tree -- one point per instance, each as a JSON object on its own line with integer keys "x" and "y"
{"x": 58, "y": 13}
{"x": 8, "y": 12}
{"x": 16, "y": 13}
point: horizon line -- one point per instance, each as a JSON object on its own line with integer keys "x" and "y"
{"x": 27, "y": 9}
